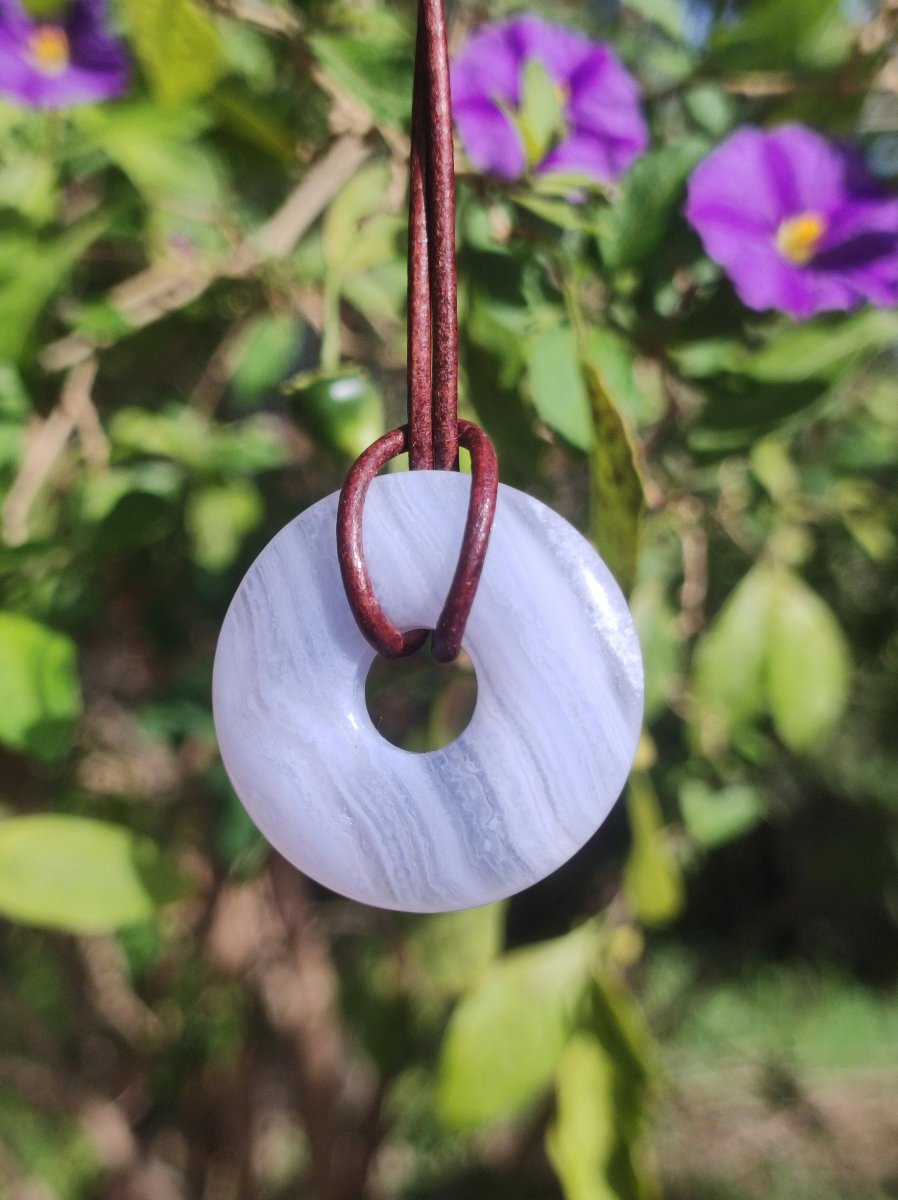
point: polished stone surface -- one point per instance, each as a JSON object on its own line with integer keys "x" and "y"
{"x": 547, "y": 751}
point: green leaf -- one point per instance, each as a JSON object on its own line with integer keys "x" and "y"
{"x": 791, "y": 352}
{"x": 158, "y": 149}
{"x": 809, "y": 664}
{"x": 661, "y": 643}
{"x": 265, "y": 352}
{"x": 15, "y": 403}
{"x": 178, "y": 47}
{"x": 634, "y": 227}
{"x": 31, "y": 271}
{"x": 358, "y": 231}
{"x": 506, "y": 1036}
{"x": 584, "y": 1134}
{"x": 737, "y": 412}
{"x": 803, "y": 35}
{"x": 775, "y": 647}
{"x": 40, "y": 698}
{"x": 612, "y": 356}
{"x": 652, "y": 880}
{"x": 557, "y": 387}
{"x": 132, "y": 506}
{"x": 219, "y": 518}
{"x": 255, "y": 125}
{"x": 712, "y": 108}
{"x": 823, "y": 349}
{"x": 541, "y": 114}
{"x": 28, "y": 184}
{"x": 80, "y": 875}
{"x": 454, "y": 949}
{"x": 729, "y": 685}
{"x": 595, "y": 1142}
{"x": 342, "y": 410}
{"x": 617, "y": 497}
{"x": 667, "y": 14}
{"x": 373, "y": 64}
{"x": 717, "y": 817}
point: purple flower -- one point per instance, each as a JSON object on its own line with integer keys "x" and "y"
{"x": 59, "y": 63}
{"x": 796, "y": 222}
{"x": 529, "y": 94}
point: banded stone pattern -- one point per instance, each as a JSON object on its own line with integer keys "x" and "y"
{"x": 547, "y": 750}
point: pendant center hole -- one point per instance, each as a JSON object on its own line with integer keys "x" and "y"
{"x": 419, "y": 704}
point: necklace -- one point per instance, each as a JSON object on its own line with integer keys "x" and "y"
{"x": 373, "y": 570}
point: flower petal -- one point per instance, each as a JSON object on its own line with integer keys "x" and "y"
{"x": 95, "y": 50}
{"x": 605, "y": 98}
{"x": 737, "y": 176}
{"x": 491, "y": 139}
{"x": 585, "y": 153}
{"x": 488, "y": 68}
{"x": 764, "y": 280}
{"x": 807, "y": 171}
{"x": 562, "y": 51}
{"x": 15, "y": 23}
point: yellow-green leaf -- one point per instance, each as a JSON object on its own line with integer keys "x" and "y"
{"x": 219, "y": 518}
{"x": 80, "y": 875}
{"x": 595, "y": 1142}
{"x": 583, "y": 1136}
{"x": 40, "y": 697}
{"x": 617, "y": 497}
{"x": 808, "y": 664}
{"x": 178, "y": 46}
{"x": 556, "y": 385}
{"x": 652, "y": 879}
{"x": 729, "y": 686}
{"x": 716, "y": 817}
{"x": 454, "y": 949}
{"x": 506, "y": 1036}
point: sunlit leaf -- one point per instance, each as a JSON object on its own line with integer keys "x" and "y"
{"x": 40, "y": 697}
{"x": 595, "y": 1141}
{"x": 715, "y": 817}
{"x": 219, "y": 518}
{"x": 265, "y": 352}
{"x": 617, "y": 496}
{"x": 729, "y": 686}
{"x": 584, "y": 1134}
{"x": 178, "y": 46}
{"x": 32, "y": 269}
{"x": 557, "y": 386}
{"x": 359, "y": 232}
{"x": 661, "y": 644}
{"x": 506, "y": 1036}
{"x": 772, "y": 36}
{"x": 809, "y": 664}
{"x": 541, "y": 115}
{"x": 652, "y": 880}
{"x": 373, "y": 64}
{"x": 80, "y": 875}
{"x": 454, "y": 949}
{"x": 634, "y": 226}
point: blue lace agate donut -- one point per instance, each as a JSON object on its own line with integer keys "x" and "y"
{"x": 547, "y": 750}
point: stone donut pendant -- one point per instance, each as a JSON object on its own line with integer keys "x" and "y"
{"x": 525, "y": 785}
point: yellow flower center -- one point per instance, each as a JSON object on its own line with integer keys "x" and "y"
{"x": 48, "y": 49}
{"x": 798, "y": 238}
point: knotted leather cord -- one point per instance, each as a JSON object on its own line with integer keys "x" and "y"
{"x": 434, "y": 432}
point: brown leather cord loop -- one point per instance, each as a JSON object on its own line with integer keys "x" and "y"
{"x": 419, "y": 330}
{"x": 374, "y": 624}
{"x": 434, "y": 432}
{"x": 440, "y": 207}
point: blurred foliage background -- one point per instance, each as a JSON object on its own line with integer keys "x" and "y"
{"x": 202, "y": 290}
